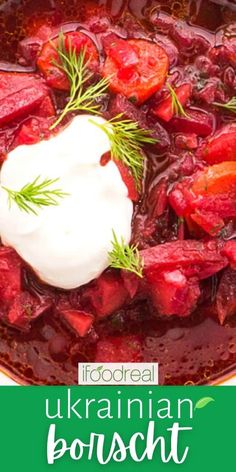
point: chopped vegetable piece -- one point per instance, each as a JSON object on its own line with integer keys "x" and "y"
{"x": 173, "y": 104}
{"x": 106, "y": 295}
{"x": 146, "y": 77}
{"x": 83, "y": 97}
{"x": 197, "y": 122}
{"x": 49, "y": 58}
{"x": 209, "y": 222}
{"x": 226, "y": 295}
{"x": 10, "y": 275}
{"x": 220, "y": 147}
{"x": 217, "y": 179}
{"x": 80, "y": 321}
{"x": 229, "y": 250}
{"x": 32, "y": 131}
{"x": 173, "y": 294}
{"x": 121, "y": 51}
{"x": 25, "y": 308}
{"x": 20, "y": 94}
{"x": 194, "y": 258}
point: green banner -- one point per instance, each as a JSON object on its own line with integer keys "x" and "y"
{"x": 104, "y": 428}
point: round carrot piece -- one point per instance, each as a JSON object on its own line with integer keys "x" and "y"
{"x": 48, "y": 58}
{"x": 217, "y": 179}
{"x": 139, "y": 79}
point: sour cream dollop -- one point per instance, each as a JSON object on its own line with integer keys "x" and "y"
{"x": 67, "y": 245}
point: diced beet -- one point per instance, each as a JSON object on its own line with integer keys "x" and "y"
{"x": 210, "y": 92}
{"x": 229, "y": 251}
{"x": 19, "y": 104}
{"x": 222, "y": 205}
{"x": 131, "y": 282}
{"x": 119, "y": 349}
{"x": 121, "y": 105}
{"x": 188, "y": 42}
{"x": 32, "y": 131}
{"x": 11, "y": 83}
{"x": 197, "y": 122}
{"x": 10, "y": 275}
{"x": 46, "y": 108}
{"x": 80, "y": 321}
{"x": 173, "y": 294}
{"x": 165, "y": 109}
{"x": 24, "y": 308}
{"x": 226, "y": 295}
{"x": 161, "y": 20}
{"x": 157, "y": 200}
{"x": 107, "y": 294}
{"x": 20, "y": 94}
{"x": 188, "y": 141}
{"x": 193, "y": 258}
{"x": 182, "y": 199}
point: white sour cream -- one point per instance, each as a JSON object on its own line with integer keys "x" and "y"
{"x": 67, "y": 245}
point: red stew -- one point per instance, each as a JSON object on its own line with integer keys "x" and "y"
{"x": 183, "y": 313}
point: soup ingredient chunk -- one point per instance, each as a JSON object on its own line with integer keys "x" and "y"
{"x": 136, "y": 68}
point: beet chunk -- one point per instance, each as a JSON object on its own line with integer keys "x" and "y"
{"x": 17, "y": 306}
{"x": 24, "y": 309}
{"x": 10, "y": 276}
{"x": 106, "y": 294}
{"x": 80, "y": 321}
{"x": 197, "y": 122}
{"x": 229, "y": 251}
{"x": 121, "y": 105}
{"x": 20, "y": 94}
{"x": 173, "y": 271}
{"x": 173, "y": 294}
{"x": 226, "y": 295}
{"x": 194, "y": 258}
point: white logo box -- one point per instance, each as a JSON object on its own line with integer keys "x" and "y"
{"x": 118, "y": 373}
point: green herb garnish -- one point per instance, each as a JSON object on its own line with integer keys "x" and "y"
{"x": 35, "y": 194}
{"x": 177, "y": 108}
{"x": 75, "y": 66}
{"x": 229, "y": 106}
{"x": 125, "y": 257}
{"x": 126, "y": 140}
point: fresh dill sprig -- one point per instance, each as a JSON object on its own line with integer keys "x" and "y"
{"x": 230, "y": 105}
{"x": 35, "y": 194}
{"x": 126, "y": 140}
{"x": 125, "y": 257}
{"x": 75, "y": 66}
{"x": 177, "y": 108}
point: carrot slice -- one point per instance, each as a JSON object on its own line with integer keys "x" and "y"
{"x": 220, "y": 147}
{"x": 217, "y": 179}
{"x": 137, "y": 81}
{"x": 48, "y": 58}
